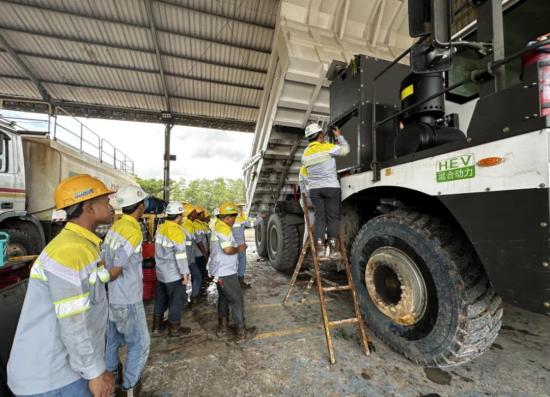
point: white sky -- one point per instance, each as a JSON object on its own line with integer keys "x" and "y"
{"x": 201, "y": 152}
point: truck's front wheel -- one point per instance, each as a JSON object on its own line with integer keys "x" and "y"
{"x": 422, "y": 290}
{"x": 283, "y": 243}
{"x": 21, "y": 243}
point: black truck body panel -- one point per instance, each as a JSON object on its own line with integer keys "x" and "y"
{"x": 510, "y": 230}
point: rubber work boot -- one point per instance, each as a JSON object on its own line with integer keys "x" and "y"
{"x": 223, "y": 329}
{"x": 244, "y": 334}
{"x": 132, "y": 392}
{"x": 158, "y": 320}
{"x": 320, "y": 248}
{"x": 175, "y": 330}
{"x": 244, "y": 285}
{"x": 334, "y": 252}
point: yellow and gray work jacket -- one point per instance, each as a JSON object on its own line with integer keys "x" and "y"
{"x": 191, "y": 235}
{"x": 220, "y": 263}
{"x": 171, "y": 252}
{"x": 240, "y": 225}
{"x": 303, "y": 183}
{"x": 200, "y": 237}
{"x": 318, "y": 158}
{"x": 61, "y": 332}
{"x": 122, "y": 248}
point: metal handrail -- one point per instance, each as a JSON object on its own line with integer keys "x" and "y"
{"x": 87, "y": 141}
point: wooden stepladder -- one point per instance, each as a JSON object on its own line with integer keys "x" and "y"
{"x": 316, "y": 277}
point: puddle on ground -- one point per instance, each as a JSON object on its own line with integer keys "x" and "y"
{"x": 438, "y": 376}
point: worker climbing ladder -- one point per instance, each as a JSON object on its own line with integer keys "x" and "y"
{"x": 316, "y": 278}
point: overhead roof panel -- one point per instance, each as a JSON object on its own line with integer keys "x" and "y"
{"x": 100, "y": 57}
{"x": 18, "y": 88}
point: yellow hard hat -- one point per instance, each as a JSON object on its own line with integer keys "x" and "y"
{"x": 188, "y": 208}
{"x": 199, "y": 209}
{"x": 228, "y": 209}
{"x": 78, "y": 188}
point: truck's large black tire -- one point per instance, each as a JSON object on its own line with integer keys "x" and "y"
{"x": 283, "y": 243}
{"x": 22, "y": 243}
{"x": 462, "y": 315}
{"x": 261, "y": 239}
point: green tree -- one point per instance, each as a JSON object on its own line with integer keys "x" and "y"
{"x": 151, "y": 186}
{"x": 207, "y": 193}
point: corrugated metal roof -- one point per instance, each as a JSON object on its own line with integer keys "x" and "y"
{"x": 102, "y": 54}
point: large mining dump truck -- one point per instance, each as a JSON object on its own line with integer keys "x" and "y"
{"x": 445, "y": 193}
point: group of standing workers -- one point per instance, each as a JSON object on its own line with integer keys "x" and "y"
{"x": 84, "y": 296}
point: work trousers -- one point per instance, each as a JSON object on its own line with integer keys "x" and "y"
{"x": 196, "y": 279}
{"x": 171, "y": 296}
{"x": 201, "y": 263}
{"x": 127, "y": 327}
{"x": 230, "y": 296}
{"x": 242, "y": 264}
{"x": 327, "y": 204}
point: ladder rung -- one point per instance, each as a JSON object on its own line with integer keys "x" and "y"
{"x": 342, "y": 322}
{"x": 324, "y": 259}
{"x": 338, "y": 288}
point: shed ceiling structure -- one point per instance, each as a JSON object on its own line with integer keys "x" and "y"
{"x": 200, "y": 62}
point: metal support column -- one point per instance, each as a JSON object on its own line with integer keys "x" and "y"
{"x": 490, "y": 29}
{"x": 166, "y": 193}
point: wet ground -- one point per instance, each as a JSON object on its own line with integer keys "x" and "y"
{"x": 289, "y": 357}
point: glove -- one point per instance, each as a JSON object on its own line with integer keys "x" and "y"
{"x": 99, "y": 273}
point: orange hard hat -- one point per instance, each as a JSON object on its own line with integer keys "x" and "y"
{"x": 78, "y": 188}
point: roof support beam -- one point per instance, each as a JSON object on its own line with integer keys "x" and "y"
{"x": 116, "y": 113}
{"x": 126, "y": 91}
{"x": 149, "y": 7}
{"x": 133, "y": 25}
{"x": 23, "y": 66}
{"x": 129, "y": 48}
{"x": 132, "y": 69}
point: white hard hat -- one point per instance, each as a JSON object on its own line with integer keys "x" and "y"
{"x": 174, "y": 208}
{"x": 312, "y": 130}
{"x": 130, "y": 195}
{"x": 216, "y": 212}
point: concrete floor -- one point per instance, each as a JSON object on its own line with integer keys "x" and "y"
{"x": 288, "y": 356}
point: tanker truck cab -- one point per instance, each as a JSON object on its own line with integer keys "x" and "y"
{"x": 26, "y": 232}
{"x": 32, "y": 165}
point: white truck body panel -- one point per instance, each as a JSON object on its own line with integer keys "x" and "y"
{"x": 47, "y": 162}
{"x": 525, "y": 165}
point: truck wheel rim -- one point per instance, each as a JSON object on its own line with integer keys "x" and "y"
{"x": 15, "y": 249}
{"x": 396, "y": 286}
{"x": 273, "y": 240}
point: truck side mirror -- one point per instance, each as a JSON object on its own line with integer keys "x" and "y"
{"x": 431, "y": 17}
